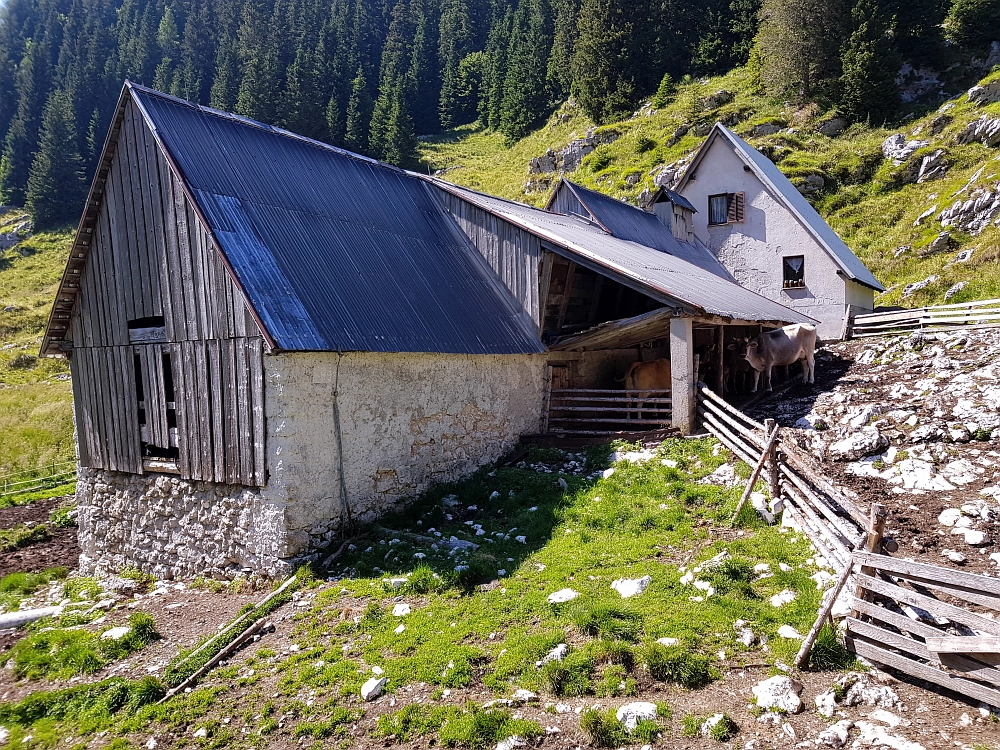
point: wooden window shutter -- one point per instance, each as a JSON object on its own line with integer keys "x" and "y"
{"x": 736, "y": 203}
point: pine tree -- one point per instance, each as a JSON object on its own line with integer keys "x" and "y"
{"x": 606, "y": 67}
{"x": 559, "y": 73}
{"x": 973, "y": 23}
{"x": 454, "y": 45}
{"x": 665, "y": 92}
{"x": 495, "y": 67}
{"x": 800, "y": 45}
{"x": 359, "y": 112}
{"x": 870, "y": 63}
{"x": 261, "y": 77}
{"x": 22, "y": 137}
{"x": 56, "y": 186}
{"x": 168, "y": 39}
{"x": 525, "y": 95}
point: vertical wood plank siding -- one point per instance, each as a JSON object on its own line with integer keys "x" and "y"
{"x": 152, "y": 257}
{"x": 513, "y": 253}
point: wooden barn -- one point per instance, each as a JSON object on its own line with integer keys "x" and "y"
{"x": 271, "y": 337}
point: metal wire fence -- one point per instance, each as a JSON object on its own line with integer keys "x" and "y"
{"x": 24, "y": 482}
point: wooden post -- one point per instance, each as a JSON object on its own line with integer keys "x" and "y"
{"x": 847, "y": 331}
{"x": 546, "y": 399}
{"x": 720, "y": 350}
{"x": 773, "y": 487}
{"x": 824, "y": 612}
{"x": 768, "y": 450}
{"x": 873, "y": 542}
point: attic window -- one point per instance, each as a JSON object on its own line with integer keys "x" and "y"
{"x": 727, "y": 208}
{"x": 794, "y": 272}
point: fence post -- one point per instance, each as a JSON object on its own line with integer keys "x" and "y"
{"x": 873, "y": 542}
{"x": 848, "y": 331}
{"x": 772, "y": 462}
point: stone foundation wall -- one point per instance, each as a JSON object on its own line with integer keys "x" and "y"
{"x": 172, "y": 528}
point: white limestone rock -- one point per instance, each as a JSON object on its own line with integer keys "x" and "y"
{"x": 116, "y": 634}
{"x": 836, "y": 735}
{"x": 632, "y": 713}
{"x": 787, "y": 631}
{"x": 401, "y": 609}
{"x": 897, "y": 148}
{"x": 782, "y": 598}
{"x": 865, "y": 442}
{"x": 562, "y": 596}
{"x": 511, "y": 742}
{"x": 949, "y": 516}
{"x": 556, "y": 654}
{"x": 372, "y": 689}
{"x": 779, "y": 692}
{"x": 629, "y": 587}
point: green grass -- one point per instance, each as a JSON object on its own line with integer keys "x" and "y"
{"x": 16, "y": 586}
{"x": 36, "y": 425}
{"x": 864, "y": 199}
{"x": 22, "y": 536}
{"x": 57, "y": 653}
{"x": 474, "y": 627}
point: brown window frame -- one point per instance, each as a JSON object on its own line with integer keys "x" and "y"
{"x": 735, "y": 208}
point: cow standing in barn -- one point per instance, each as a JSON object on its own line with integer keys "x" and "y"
{"x": 646, "y": 376}
{"x": 783, "y": 346}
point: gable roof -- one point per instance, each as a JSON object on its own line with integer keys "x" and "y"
{"x": 626, "y": 222}
{"x": 772, "y": 177}
{"x": 334, "y": 251}
{"x": 662, "y": 276}
{"x": 666, "y": 194}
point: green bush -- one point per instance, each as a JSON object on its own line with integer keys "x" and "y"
{"x": 679, "y": 665}
{"x": 608, "y": 621}
{"x": 571, "y": 676}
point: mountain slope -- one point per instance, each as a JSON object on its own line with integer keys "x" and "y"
{"x": 873, "y": 203}
{"x": 36, "y": 423}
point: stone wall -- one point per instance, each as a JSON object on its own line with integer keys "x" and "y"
{"x": 406, "y": 422}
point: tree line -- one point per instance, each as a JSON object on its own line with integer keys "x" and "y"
{"x": 370, "y": 75}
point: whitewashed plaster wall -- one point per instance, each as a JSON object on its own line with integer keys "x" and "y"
{"x": 752, "y": 250}
{"x": 407, "y": 421}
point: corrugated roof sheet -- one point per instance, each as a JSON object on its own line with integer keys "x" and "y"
{"x": 768, "y": 172}
{"x": 676, "y": 198}
{"x": 337, "y": 251}
{"x": 663, "y": 276}
{"x": 626, "y": 222}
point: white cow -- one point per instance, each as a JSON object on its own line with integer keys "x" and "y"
{"x": 783, "y": 346}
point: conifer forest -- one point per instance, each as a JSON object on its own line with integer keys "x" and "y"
{"x": 373, "y": 75}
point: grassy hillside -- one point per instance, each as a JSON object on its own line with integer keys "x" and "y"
{"x": 36, "y": 426}
{"x": 864, "y": 197}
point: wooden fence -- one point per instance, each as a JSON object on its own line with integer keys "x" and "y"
{"x": 21, "y": 483}
{"x": 905, "y": 614}
{"x": 902, "y": 610}
{"x": 983, "y": 314}
{"x": 589, "y": 411}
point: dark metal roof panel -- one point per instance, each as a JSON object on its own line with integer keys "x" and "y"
{"x": 336, "y": 251}
{"x": 660, "y": 274}
{"x": 677, "y": 199}
{"x": 626, "y": 222}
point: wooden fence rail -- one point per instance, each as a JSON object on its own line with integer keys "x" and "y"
{"x": 21, "y": 483}
{"x": 981, "y": 314}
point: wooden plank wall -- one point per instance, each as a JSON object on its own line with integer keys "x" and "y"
{"x": 513, "y": 253}
{"x": 152, "y": 257}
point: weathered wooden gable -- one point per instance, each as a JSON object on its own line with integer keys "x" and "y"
{"x": 166, "y": 357}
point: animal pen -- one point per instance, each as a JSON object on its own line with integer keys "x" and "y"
{"x": 931, "y": 623}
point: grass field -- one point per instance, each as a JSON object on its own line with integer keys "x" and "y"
{"x": 36, "y": 424}
{"x": 865, "y": 197}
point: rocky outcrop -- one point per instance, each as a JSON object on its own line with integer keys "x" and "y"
{"x": 910, "y": 289}
{"x": 18, "y": 233}
{"x": 833, "y": 126}
{"x": 897, "y": 148}
{"x": 986, "y": 130}
{"x": 932, "y": 167}
{"x": 571, "y": 156}
{"x": 669, "y": 175}
{"x": 718, "y": 99}
{"x": 985, "y": 93}
{"x": 974, "y": 214}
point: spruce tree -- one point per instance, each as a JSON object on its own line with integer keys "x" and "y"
{"x": 225, "y": 82}
{"x": 255, "y": 45}
{"x": 606, "y": 67}
{"x": 359, "y": 112}
{"x": 495, "y": 67}
{"x": 525, "y": 94}
{"x": 197, "y": 53}
{"x": 973, "y": 23}
{"x": 169, "y": 41}
{"x": 559, "y": 73}
{"x": 454, "y": 45}
{"x": 22, "y": 137}
{"x": 800, "y": 45}
{"x": 56, "y": 186}
{"x": 665, "y": 92}
{"x": 424, "y": 90}
{"x": 870, "y": 64}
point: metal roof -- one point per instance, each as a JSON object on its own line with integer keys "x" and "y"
{"x": 626, "y": 222}
{"x": 769, "y": 174}
{"x": 670, "y": 279}
{"x": 676, "y": 198}
{"x": 336, "y": 251}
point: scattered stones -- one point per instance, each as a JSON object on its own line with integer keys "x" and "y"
{"x": 524, "y": 696}
{"x": 556, "y": 654}
{"x": 878, "y": 736}
{"x": 826, "y": 703}
{"x": 632, "y": 713}
{"x": 910, "y": 289}
{"x": 779, "y": 692}
{"x": 939, "y": 244}
{"x": 975, "y": 213}
{"x": 200, "y": 733}
{"x": 668, "y": 642}
{"x": 836, "y": 735}
{"x": 401, "y": 609}
{"x": 511, "y": 742}
{"x": 863, "y": 690}
{"x": 724, "y": 476}
{"x": 932, "y": 167}
{"x": 833, "y": 126}
{"x": 866, "y": 442}
{"x": 919, "y": 220}
{"x": 766, "y": 128}
{"x": 372, "y": 689}
{"x": 955, "y": 289}
{"x": 718, "y": 99}
{"x": 561, "y": 596}
{"x": 629, "y": 587}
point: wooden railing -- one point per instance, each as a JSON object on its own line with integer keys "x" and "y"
{"x": 592, "y": 411}
{"x": 982, "y": 314}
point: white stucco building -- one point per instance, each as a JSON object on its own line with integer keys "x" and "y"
{"x": 769, "y": 237}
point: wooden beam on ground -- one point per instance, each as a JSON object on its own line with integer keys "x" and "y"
{"x": 964, "y": 644}
{"x": 764, "y": 456}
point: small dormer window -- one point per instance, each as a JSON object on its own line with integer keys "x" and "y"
{"x": 727, "y": 208}
{"x": 794, "y": 272}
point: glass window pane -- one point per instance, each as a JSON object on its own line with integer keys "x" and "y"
{"x": 718, "y": 209}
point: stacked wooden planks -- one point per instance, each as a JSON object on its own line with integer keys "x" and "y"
{"x": 982, "y": 314}
{"x": 583, "y": 411}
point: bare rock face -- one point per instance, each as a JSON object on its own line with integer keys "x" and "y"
{"x": 974, "y": 214}
{"x": 932, "y": 167}
{"x": 832, "y": 127}
{"x": 955, "y": 289}
{"x": 573, "y": 154}
{"x": 940, "y": 244}
{"x": 987, "y": 93}
{"x": 866, "y": 442}
{"x": 543, "y": 164}
{"x": 767, "y": 128}
{"x": 670, "y": 175}
{"x": 985, "y": 130}
{"x": 718, "y": 99}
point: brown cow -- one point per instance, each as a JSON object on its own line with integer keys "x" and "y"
{"x": 647, "y": 376}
